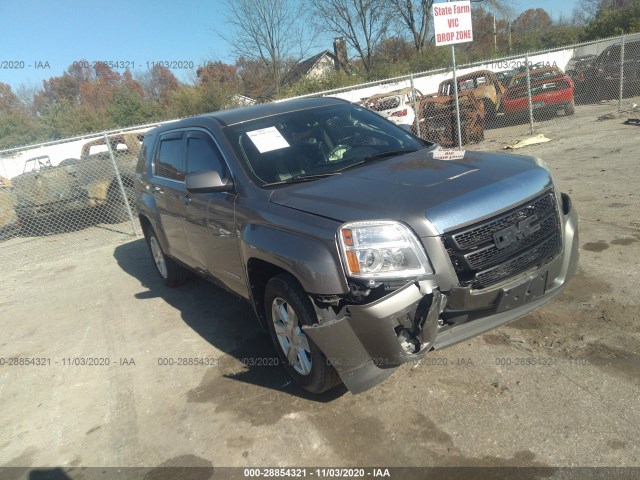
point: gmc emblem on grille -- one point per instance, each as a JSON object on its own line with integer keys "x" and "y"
{"x": 510, "y": 235}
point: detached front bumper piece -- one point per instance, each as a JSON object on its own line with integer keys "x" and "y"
{"x": 366, "y": 345}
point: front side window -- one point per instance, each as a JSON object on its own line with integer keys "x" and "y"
{"x": 203, "y": 155}
{"x": 169, "y": 160}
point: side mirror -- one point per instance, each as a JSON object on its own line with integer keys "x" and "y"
{"x": 207, "y": 182}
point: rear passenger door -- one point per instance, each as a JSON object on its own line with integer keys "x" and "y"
{"x": 168, "y": 190}
{"x": 210, "y": 219}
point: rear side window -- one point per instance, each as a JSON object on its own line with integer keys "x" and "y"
{"x": 147, "y": 145}
{"x": 169, "y": 161}
{"x": 203, "y": 155}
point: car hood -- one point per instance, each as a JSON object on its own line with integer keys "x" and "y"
{"x": 431, "y": 195}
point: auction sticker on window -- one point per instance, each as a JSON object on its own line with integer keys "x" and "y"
{"x": 267, "y": 139}
{"x": 448, "y": 154}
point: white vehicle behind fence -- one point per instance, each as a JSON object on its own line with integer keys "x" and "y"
{"x": 396, "y": 106}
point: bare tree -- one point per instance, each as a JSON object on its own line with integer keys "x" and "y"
{"x": 587, "y": 10}
{"x": 266, "y": 30}
{"x": 362, "y": 23}
{"x": 158, "y": 83}
{"x": 415, "y": 17}
{"x": 26, "y": 92}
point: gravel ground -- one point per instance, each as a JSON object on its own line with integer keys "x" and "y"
{"x": 475, "y": 404}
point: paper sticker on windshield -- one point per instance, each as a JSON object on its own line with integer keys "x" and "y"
{"x": 267, "y": 139}
{"x": 448, "y": 154}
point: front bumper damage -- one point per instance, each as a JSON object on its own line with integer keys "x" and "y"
{"x": 364, "y": 344}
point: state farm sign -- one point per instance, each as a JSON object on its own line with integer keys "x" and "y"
{"x": 452, "y": 22}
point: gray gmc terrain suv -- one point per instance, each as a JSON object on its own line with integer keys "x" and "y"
{"x": 359, "y": 246}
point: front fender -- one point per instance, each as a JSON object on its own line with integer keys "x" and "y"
{"x": 310, "y": 260}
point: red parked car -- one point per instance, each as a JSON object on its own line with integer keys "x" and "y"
{"x": 551, "y": 90}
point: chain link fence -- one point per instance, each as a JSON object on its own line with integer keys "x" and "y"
{"x": 60, "y": 194}
{"x": 53, "y": 194}
{"x": 523, "y": 90}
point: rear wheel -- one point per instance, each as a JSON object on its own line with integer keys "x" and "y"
{"x": 479, "y": 130}
{"x": 116, "y": 208}
{"x": 570, "y": 108}
{"x": 170, "y": 272}
{"x": 287, "y": 309}
{"x": 489, "y": 109}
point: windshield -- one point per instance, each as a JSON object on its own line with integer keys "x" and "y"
{"x": 314, "y": 143}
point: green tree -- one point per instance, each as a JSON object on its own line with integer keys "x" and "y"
{"x": 614, "y": 18}
{"x": 128, "y": 108}
{"x": 306, "y": 86}
{"x": 17, "y": 129}
{"x": 9, "y": 101}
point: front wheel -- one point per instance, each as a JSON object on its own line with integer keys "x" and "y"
{"x": 287, "y": 309}
{"x": 170, "y": 272}
{"x": 570, "y": 108}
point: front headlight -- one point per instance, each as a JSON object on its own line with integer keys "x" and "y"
{"x": 381, "y": 249}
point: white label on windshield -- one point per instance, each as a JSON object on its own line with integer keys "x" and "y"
{"x": 448, "y": 154}
{"x": 267, "y": 139}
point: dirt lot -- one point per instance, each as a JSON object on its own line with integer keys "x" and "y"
{"x": 475, "y": 404}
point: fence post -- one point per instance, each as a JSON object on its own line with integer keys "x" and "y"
{"x": 415, "y": 106}
{"x": 621, "y": 74}
{"x": 526, "y": 63}
{"x": 455, "y": 95}
{"x": 120, "y": 184}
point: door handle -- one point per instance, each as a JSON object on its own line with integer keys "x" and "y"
{"x": 156, "y": 189}
{"x": 187, "y": 200}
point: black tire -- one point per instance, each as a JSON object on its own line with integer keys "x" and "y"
{"x": 570, "y": 108}
{"x": 489, "y": 110}
{"x": 321, "y": 375}
{"x": 465, "y": 137}
{"x": 29, "y": 226}
{"x": 115, "y": 208}
{"x": 480, "y": 136}
{"x": 173, "y": 274}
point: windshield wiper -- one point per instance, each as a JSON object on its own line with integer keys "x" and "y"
{"x": 389, "y": 153}
{"x": 376, "y": 156}
{"x": 301, "y": 178}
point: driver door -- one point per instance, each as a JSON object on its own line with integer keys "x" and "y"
{"x": 210, "y": 219}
